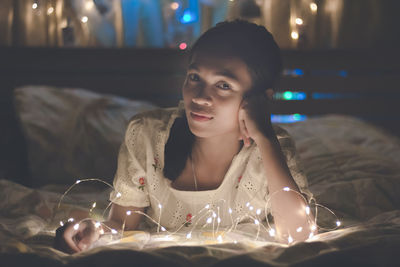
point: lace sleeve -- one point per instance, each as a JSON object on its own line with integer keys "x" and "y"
{"x": 130, "y": 185}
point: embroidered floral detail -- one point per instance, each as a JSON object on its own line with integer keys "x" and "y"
{"x": 142, "y": 183}
{"x": 155, "y": 164}
{"x": 240, "y": 178}
{"x": 188, "y": 220}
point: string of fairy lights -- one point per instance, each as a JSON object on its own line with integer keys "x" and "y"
{"x": 211, "y": 213}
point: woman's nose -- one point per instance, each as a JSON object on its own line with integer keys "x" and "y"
{"x": 202, "y": 98}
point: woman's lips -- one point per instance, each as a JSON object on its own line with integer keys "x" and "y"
{"x": 200, "y": 117}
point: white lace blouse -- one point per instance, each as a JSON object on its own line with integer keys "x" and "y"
{"x": 242, "y": 195}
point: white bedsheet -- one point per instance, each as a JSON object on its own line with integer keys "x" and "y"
{"x": 353, "y": 168}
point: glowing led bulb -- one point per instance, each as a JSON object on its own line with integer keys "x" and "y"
{"x": 311, "y": 235}
{"x": 97, "y": 224}
{"x": 94, "y": 205}
{"x": 272, "y": 232}
{"x": 78, "y": 181}
{"x": 174, "y": 5}
{"x": 219, "y": 238}
{"x": 287, "y": 189}
{"x": 230, "y": 210}
{"x": 101, "y": 231}
{"x": 219, "y": 220}
{"x": 159, "y": 206}
{"x": 50, "y": 10}
{"x": 294, "y": 35}
{"x": 128, "y": 212}
{"x": 163, "y": 229}
{"x": 258, "y": 211}
{"x": 307, "y": 210}
{"x": 70, "y": 219}
{"x": 299, "y": 229}
{"x": 214, "y": 214}
{"x": 189, "y": 235}
{"x": 61, "y": 223}
{"x": 34, "y": 5}
{"x": 256, "y": 222}
{"x": 235, "y": 241}
{"x": 84, "y": 19}
{"x": 338, "y": 223}
{"x": 290, "y": 239}
{"x": 251, "y": 208}
{"x": 209, "y": 220}
{"x": 118, "y": 194}
{"x": 207, "y": 206}
{"x": 89, "y": 4}
{"x": 299, "y": 21}
{"x": 113, "y": 231}
{"x": 247, "y": 204}
{"x": 76, "y": 226}
{"x": 313, "y": 7}
{"x": 313, "y": 227}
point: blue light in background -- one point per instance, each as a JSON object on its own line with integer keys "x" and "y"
{"x": 287, "y": 118}
{"x": 290, "y": 95}
{"x": 343, "y": 73}
{"x": 335, "y": 95}
{"x": 298, "y": 72}
{"x": 293, "y": 72}
{"x": 187, "y": 17}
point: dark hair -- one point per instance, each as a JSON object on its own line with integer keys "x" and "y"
{"x": 251, "y": 43}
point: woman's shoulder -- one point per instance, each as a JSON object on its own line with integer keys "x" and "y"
{"x": 154, "y": 120}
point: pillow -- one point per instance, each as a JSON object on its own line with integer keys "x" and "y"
{"x": 72, "y": 133}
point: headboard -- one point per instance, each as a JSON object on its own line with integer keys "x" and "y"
{"x": 362, "y": 83}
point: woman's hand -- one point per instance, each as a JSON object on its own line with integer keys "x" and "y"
{"x": 76, "y": 237}
{"x": 255, "y": 119}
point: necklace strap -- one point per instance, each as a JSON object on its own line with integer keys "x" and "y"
{"x": 194, "y": 174}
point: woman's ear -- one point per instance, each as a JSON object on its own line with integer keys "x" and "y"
{"x": 270, "y": 93}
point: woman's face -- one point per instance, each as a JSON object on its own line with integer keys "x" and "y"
{"x": 212, "y": 94}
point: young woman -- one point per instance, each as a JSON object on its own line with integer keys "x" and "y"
{"x": 218, "y": 149}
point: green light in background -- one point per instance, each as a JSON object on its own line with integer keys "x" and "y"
{"x": 296, "y": 116}
{"x": 287, "y": 95}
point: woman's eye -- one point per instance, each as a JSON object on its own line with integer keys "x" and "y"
{"x": 193, "y": 77}
{"x": 224, "y": 86}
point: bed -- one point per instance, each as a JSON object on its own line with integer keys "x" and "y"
{"x": 53, "y": 131}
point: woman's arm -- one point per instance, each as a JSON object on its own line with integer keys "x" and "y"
{"x": 287, "y": 207}
{"x": 118, "y": 214}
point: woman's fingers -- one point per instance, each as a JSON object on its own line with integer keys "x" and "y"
{"x": 80, "y": 236}
{"x": 76, "y": 237}
{"x": 69, "y": 238}
{"x": 88, "y": 235}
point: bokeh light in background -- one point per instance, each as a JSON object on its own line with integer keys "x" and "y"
{"x": 304, "y": 24}
{"x": 182, "y": 46}
{"x": 287, "y": 118}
